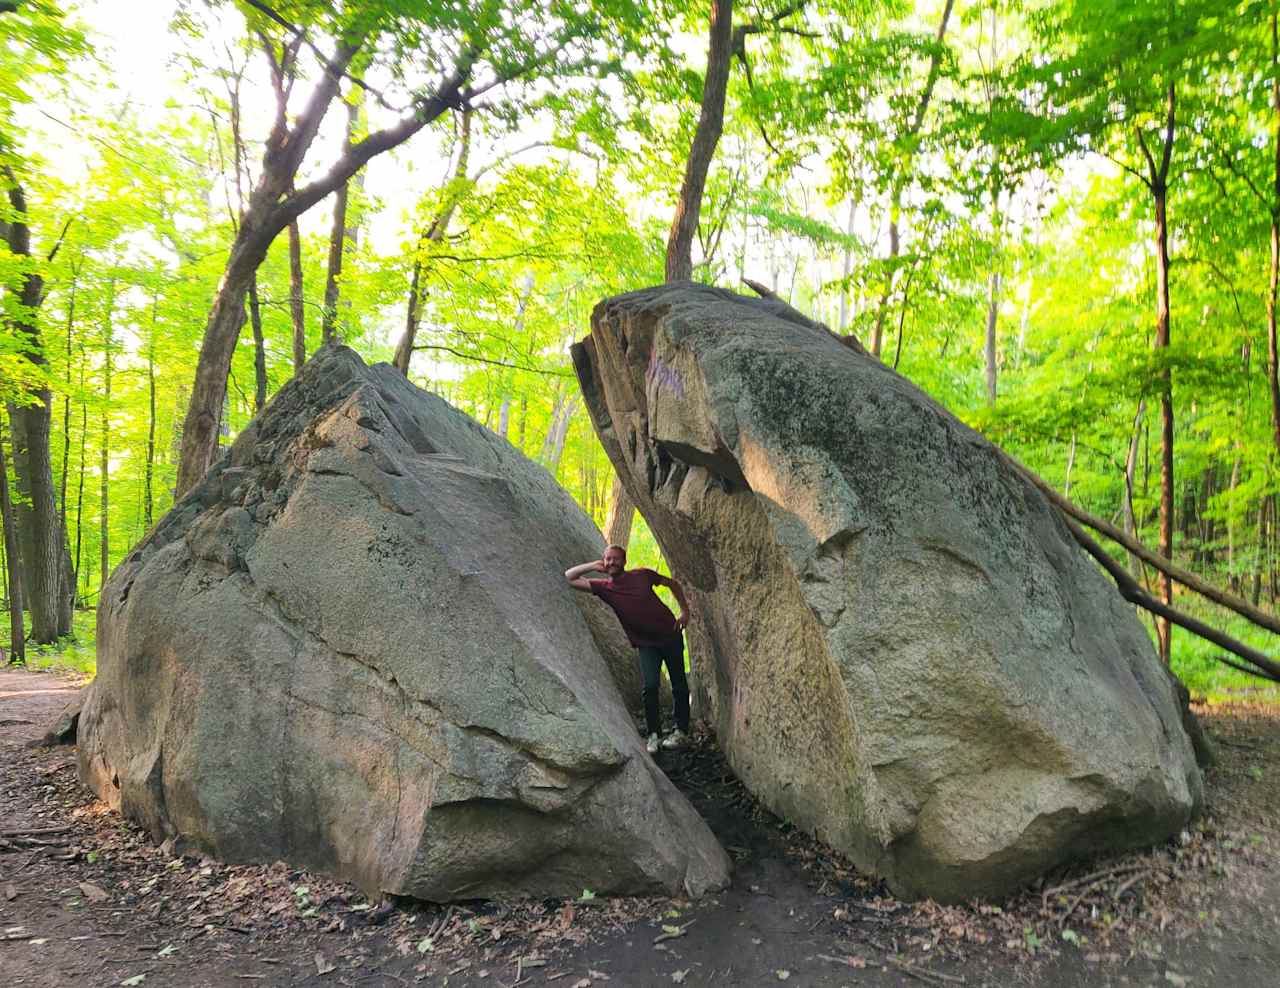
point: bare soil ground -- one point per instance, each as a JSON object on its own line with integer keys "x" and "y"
{"x": 87, "y": 900}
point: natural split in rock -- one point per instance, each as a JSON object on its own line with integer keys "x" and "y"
{"x": 900, "y": 646}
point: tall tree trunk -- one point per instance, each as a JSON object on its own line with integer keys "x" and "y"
{"x": 1273, "y": 279}
{"x": 296, "y": 311}
{"x": 1233, "y": 578}
{"x": 900, "y": 180}
{"x": 617, "y": 523}
{"x": 30, "y": 426}
{"x": 993, "y": 309}
{"x": 148, "y": 496}
{"x": 1130, "y": 466}
{"x": 558, "y": 437}
{"x": 1160, "y": 195}
{"x": 846, "y": 267}
{"x": 452, "y": 191}
{"x": 104, "y": 504}
{"x": 1071, "y": 461}
{"x": 259, "y": 348}
{"x": 84, "y": 441}
{"x": 342, "y": 237}
{"x": 684, "y": 225}
{"x": 271, "y": 208}
{"x": 17, "y": 633}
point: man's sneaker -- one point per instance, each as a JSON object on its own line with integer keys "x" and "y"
{"x": 676, "y": 739}
{"x": 652, "y": 744}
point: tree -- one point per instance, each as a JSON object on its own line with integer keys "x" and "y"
{"x": 494, "y": 45}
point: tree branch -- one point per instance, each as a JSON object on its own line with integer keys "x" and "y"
{"x": 61, "y": 237}
{"x": 486, "y": 360}
{"x": 1264, "y": 666}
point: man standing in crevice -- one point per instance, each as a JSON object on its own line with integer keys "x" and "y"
{"x": 656, "y": 633}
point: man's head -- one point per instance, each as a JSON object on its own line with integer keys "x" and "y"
{"x": 615, "y": 560}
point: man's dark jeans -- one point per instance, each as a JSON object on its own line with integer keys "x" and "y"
{"x": 651, "y": 659}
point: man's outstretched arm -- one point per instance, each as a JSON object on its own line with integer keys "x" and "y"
{"x": 576, "y": 575}
{"x": 677, "y": 591}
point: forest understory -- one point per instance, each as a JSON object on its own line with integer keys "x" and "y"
{"x": 87, "y": 899}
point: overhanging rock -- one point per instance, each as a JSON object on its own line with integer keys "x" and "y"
{"x": 897, "y": 641}
{"x": 352, "y": 647}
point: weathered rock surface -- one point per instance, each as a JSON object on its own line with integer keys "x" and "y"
{"x": 352, "y": 648}
{"x": 897, "y": 641}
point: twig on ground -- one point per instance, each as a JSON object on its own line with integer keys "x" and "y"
{"x": 679, "y": 931}
{"x": 1128, "y": 883}
{"x": 1086, "y": 879}
{"x": 32, "y": 831}
{"x": 935, "y": 976}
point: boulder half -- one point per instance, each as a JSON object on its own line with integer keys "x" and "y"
{"x": 351, "y": 647}
{"x": 897, "y": 641}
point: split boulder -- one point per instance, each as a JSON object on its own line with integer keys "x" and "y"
{"x": 899, "y": 644}
{"x": 351, "y": 647}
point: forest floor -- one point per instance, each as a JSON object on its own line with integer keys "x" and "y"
{"x": 87, "y": 900}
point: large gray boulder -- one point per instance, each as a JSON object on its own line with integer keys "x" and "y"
{"x": 352, "y": 648}
{"x": 897, "y": 641}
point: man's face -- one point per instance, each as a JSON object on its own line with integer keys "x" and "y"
{"x": 614, "y": 562}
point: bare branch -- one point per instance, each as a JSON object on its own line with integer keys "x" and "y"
{"x": 61, "y": 237}
{"x": 486, "y": 360}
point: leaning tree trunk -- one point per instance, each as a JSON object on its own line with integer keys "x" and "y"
{"x": 684, "y": 226}
{"x": 272, "y": 207}
{"x": 436, "y": 230}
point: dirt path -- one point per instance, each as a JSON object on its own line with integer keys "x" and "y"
{"x": 91, "y": 902}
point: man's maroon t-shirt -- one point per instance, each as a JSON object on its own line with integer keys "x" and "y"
{"x": 647, "y": 621}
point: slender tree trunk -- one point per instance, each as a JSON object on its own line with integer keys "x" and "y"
{"x": 900, "y": 179}
{"x": 259, "y": 348}
{"x": 17, "y": 633}
{"x": 993, "y": 308}
{"x": 1130, "y": 467}
{"x": 1273, "y": 279}
{"x": 296, "y": 311}
{"x": 1166, "y": 419}
{"x": 337, "y": 237}
{"x": 451, "y": 196}
{"x": 684, "y": 225}
{"x": 66, "y": 403}
{"x": 84, "y": 440}
{"x": 617, "y": 523}
{"x": 340, "y": 236}
{"x": 1233, "y": 578}
{"x": 147, "y": 494}
{"x": 1071, "y": 461}
{"x": 105, "y": 479}
{"x": 558, "y": 437}
{"x": 846, "y": 267}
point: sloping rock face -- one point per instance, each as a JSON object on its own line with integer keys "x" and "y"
{"x": 898, "y": 643}
{"x": 352, "y": 648}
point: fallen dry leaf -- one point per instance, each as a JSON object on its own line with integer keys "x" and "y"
{"x": 679, "y": 976}
{"x": 10, "y": 893}
{"x": 582, "y": 983}
{"x": 323, "y": 965}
